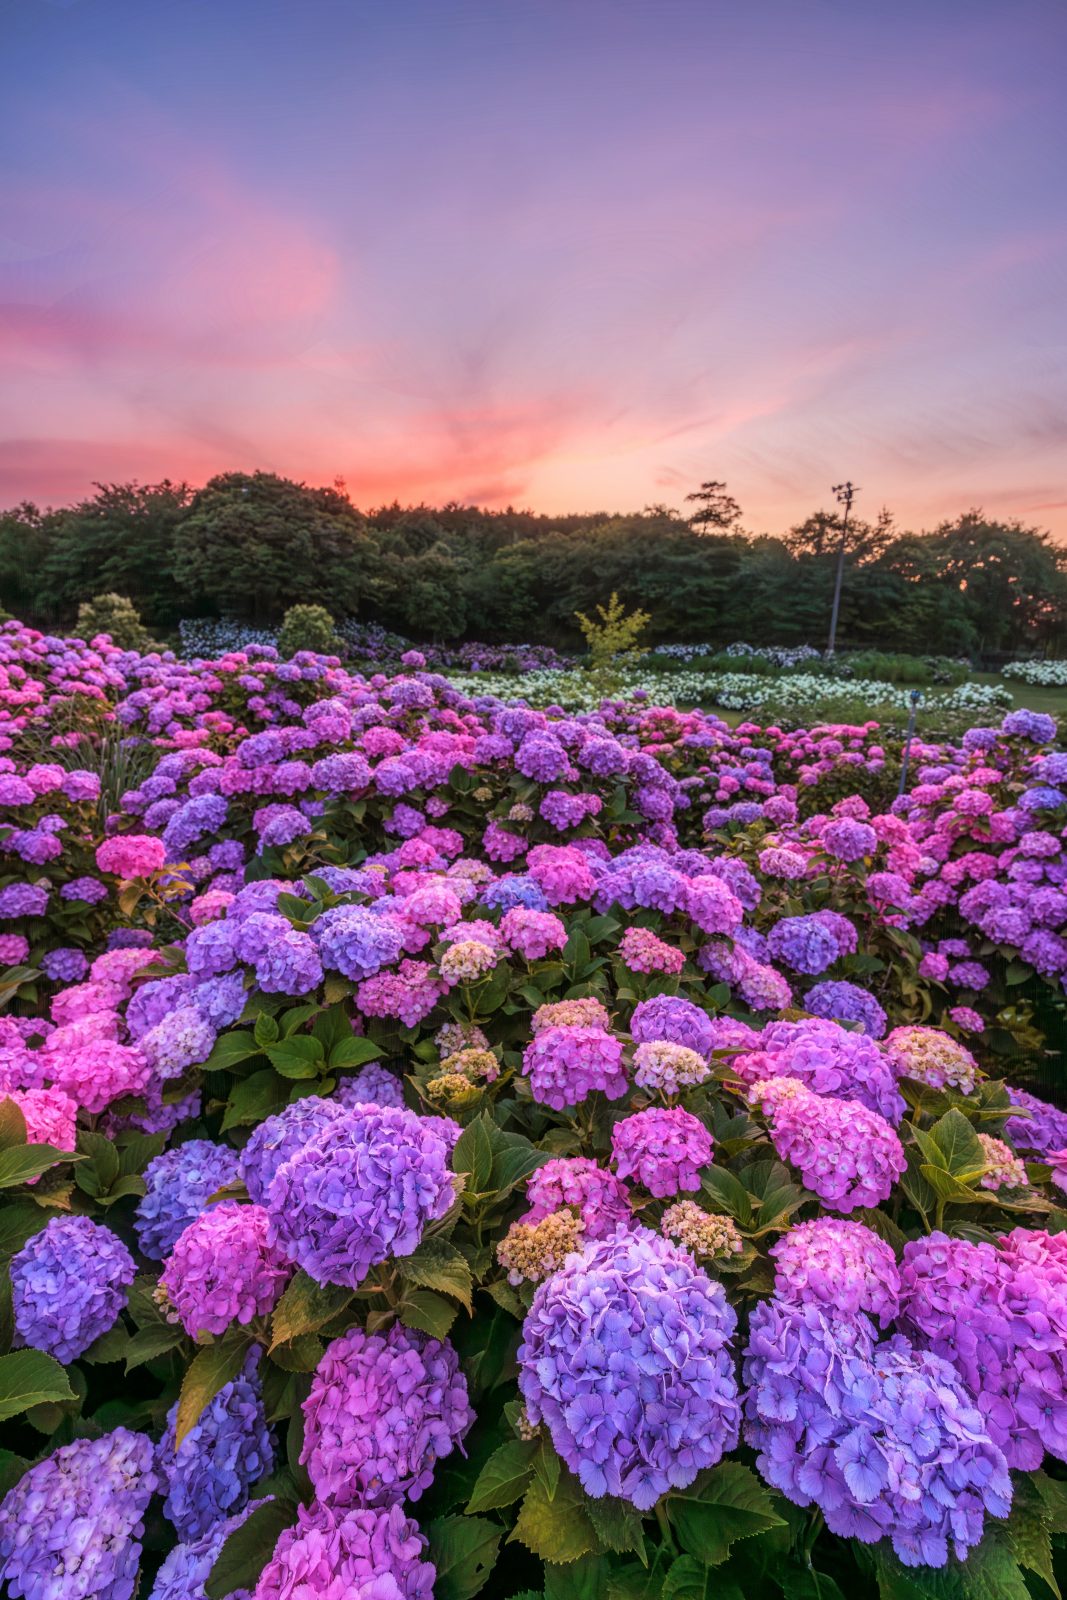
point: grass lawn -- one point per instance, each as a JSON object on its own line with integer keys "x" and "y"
{"x": 1035, "y": 697}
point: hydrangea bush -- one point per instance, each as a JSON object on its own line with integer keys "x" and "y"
{"x": 450, "y": 1147}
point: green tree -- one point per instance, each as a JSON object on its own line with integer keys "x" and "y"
{"x": 120, "y": 540}
{"x": 714, "y": 508}
{"x": 252, "y": 544}
{"x": 611, "y": 640}
{"x": 307, "y": 628}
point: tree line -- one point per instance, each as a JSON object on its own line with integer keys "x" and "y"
{"x": 248, "y": 546}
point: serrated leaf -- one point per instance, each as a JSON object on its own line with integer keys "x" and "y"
{"x": 152, "y": 1341}
{"x": 618, "y": 1525}
{"x": 30, "y": 1378}
{"x": 473, "y": 1154}
{"x": 266, "y": 1030}
{"x": 946, "y": 1187}
{"x": 437, "y": 1264}
{"x": 463, "y": 1549}
{"x": 504, "y": 1476}
{"x": 138, "y": 1150}
{"x": 254, "y": 1099}
{"x": 584, "y": 1579}
{"x": 728, "y": 1192}
{"x": 299, "y": 1057}
{"x": 305, "y": 1307}
{"x": 230, "y": 1049}
{"x": 557, "y": 1530}
{"x": 958, "y": 1143}
{"x": 301, "y": 1354}
{"x": 428, "y": 1312}
{"x": 247, "y": 1550}
{"x": 724, "y": 1505}
{"x": 210, "y": 1370}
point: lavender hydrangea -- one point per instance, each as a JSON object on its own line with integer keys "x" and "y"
{"x": 178, "y": 1184}
{"x": 71, "y": 1527}
{"x": 364, "y": 1190}
{"x": 565, "y": 1065}
{"x": 383, "y": 1410}
{"x": 187, "y": 1568}
{"x": 840, "y": 1001}
{"x": 228, "y": 1449}
{"x": 69, "y": 1285}
{"x": 277, "y": 1138}
{"x": 828, "y": 1059}
{"x": 668, "y": 1016}
{"x": 357, "y": 942}
{"x": 371, "y": 1085}
{"x": 625, "y": 1357}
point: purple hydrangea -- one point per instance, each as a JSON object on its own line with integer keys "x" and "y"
{"x": 364, "y": 1190}
{"x": 663, "y": 1150}
{"x": 667, "y": 1016}
{"x": 803, "y": 943}
{"x": 277, "y": 1138}
{"x": 358, "y": 942}
{"x": 224, "y": 1269}
{"x": 69, "y": 1285}
{"x": 383, "y": 1410}
{"x": 829, "y": 1059}
{"x": 364, "y": 1554}
{"x": 182, "y": 1039}
{"x": 566, "y": 1064}
{"x": 71, "y": 1527}
{"x": 883, "y": 1438}
{"x": 226, "y": 1451}
{"x": 177, "y": 1186}
{"x": 625, "y": 1357}
{"x": 1045, "y": 1129}
{"x": 371, "y": 1085}
{"x": 847, "y": 839}
{"x": 839, "y": 1001}
{"x": 1034, "y": 725}
{"x": 64, "y": 965}
{"x": 285, "y": 960}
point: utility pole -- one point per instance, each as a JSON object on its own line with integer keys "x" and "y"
{"x": 843, "y": 493}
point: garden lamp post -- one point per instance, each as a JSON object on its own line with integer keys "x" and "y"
{"x": 916, "y": 701}
{"x": 843, "y": 493}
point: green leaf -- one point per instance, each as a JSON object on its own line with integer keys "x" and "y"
{"x": 504, "y": 1476}
{"x": 25, "y": 1161}
{"x": 354, "y": 1052}
{"x": 946, "y": 1187}
{"x": 30, "y": 1378}
{"x": 230, "y": 1049}
{"x": 111, "y": 1346}
{"x": 463, "y": 1549}
{"x": 300, "y": 1057}
{"x": 728, "y": 1192}
{"x": 301, "y": 1354}
{"x": 211, "y": 1369}
{"x": 248, "y": 1549}
{"x": 689, "y": 1579}
{"x": 254, "y": 1099}
{"x": 437, "y": 1264}
{"x": 557, "y": 1530}
{"x": 958, "y": 1143}
{"x": 138, "y": 1150}
{"x": 473, "y": 1154}
{"x": 101, "y": 1158}
{"x": 428, "y": 1312}
{"x": 1029, "y": 1530}
{"x": 584, "y": 1579}
{"x": 265, "y": 1031}
{"x": 514, "y": 1161}
{"x": 726, "y": 1504}
{"x": 617, "y": 1524}
{"x": 305, "y": 1307}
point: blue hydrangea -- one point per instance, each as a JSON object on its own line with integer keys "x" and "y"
{"x": 803, "y": 943}
{"x": 226, "y": 1451}
{"x": 184, "y": 1573}
{"x": 514, "y": 889}
{"x": 371, "y": 1085}
{"x": 69, "y": 1285}
{"x": 839, "y": 1001}
{"x": 177, "y": 1186}
{"x": 281, "y": 1136}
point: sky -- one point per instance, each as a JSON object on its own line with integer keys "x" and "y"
{"x": 562, "y": 254}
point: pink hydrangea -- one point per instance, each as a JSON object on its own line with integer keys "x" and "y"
{"x": 131, "y": 855}
{"x": 846, "y": 1154}
{"x": 223, "y": 1270}
{"x": 564, "y": 1065}
{"x": 642, "y": 951}
{"x": 663, "y": 1150}
{"x": 532, "y": 934}
{"x": 578, "y": 1181}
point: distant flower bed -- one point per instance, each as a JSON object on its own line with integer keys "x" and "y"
{"x": 1051, "y": 674}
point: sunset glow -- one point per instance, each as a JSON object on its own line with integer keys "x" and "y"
{"x": 567, "y": 255}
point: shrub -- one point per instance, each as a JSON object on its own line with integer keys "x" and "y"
{"x": 612, "y": 644}
{"x": 307, "y": 628}
{"x": 116, "y": 616}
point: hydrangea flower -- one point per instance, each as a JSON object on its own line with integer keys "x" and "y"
{"x": 131, "y": 855}
{"x": 364, "y": 1190}
{"x": 186, "y": 1569}
{"x": 277, "y": 1138}
{"x": 1044, "y": 1129}
{"x": 840, "y": 1265}
{"x": 840, "y": 1001}
{"x": 371, "y": 1085}
{"x": 885, "y": 1439}
{"x": 382, "y": 1411}
{"x": 69, "y": 1285}
{"x": 532, "y": 934}
{"x": 933, "y": 1058}
{"x": 709, "y": 1237}
{"x": 642, "y": 951}
{"x": 670, "y": 1017}
{"x": 566, "y": 1064}
{"x": 71, "y": 1527}
{"x": 224, "y": 1268}
{"x": 357, "y": 942}
{"x": 828, "y": 1059}
{"x": 365, "y": 1554}
{"x": 668, "y": 1068}
{"x": 178, "y": 1183}
{"x": 228, "y": 1448}
{"x": 661, "y": 1149}
{"x": 847, "y": 1155}
{"x": 587, "y": 1012}
{"x": 601, "y": 1199}
{"x": 625, "y": 1357}
{"x": 532, "y": 1251}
